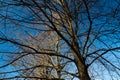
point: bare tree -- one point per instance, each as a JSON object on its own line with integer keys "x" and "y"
{"x": 88, "y": 31}
{"x": 52, "y": 67}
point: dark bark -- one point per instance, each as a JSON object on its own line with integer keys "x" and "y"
{"x": 82, "y": 69}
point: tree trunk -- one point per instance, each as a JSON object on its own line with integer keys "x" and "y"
{"x": 83, "y": 73}
{"x": 79, "y": 60}
{"x": 82, "y": 70}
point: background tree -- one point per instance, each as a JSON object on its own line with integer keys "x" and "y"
{"x": 88, "y": 29}
{"x": 51, "y": 67}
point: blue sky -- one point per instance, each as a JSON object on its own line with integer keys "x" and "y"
{"x": 13, "y": 28}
